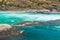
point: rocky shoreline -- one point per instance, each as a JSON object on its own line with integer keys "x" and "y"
{"x": 8, "y": 31}
{"x": 43, "y": 11}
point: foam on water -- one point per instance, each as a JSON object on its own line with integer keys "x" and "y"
{"x": 39, "y": 32}
{"x": 34, "y": 17}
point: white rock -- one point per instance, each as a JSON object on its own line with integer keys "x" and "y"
{"x": 4, "y": 27}
{"x": 21, "y": 31}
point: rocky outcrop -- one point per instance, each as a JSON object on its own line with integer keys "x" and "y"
{"x": 5, "y": 27}
{"x": 3, "y": 8}
{"x": 27, "y": 23}
{"x": 48, "y": 23}
{"x": 7, "y": 31}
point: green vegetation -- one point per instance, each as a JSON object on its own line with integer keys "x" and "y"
{"x": 35, "y": 4}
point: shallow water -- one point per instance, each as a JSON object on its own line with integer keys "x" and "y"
{"x": 35, "y": 32}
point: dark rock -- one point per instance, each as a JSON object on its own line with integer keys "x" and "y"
{"x": 3, "y": 8}
{"x": 27, "y": 23}
{"x": 9, "y": 33}
{"x": 51, "y": 22}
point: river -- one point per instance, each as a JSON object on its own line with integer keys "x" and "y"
{"x": 32, "y": 32}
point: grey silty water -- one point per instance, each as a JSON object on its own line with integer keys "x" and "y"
{"x": 35, "y": 32}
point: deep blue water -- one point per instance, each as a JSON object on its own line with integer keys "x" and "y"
{"x": 35, "y": 32}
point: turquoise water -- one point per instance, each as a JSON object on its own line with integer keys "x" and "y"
{"x": 35, "y": 32}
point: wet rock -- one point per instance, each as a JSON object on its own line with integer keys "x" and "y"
{"x": 46, "y": 23}
{"x": 8, "y": 31}
{"x": 23, "y": 24}
{"x": 27, "y": 23}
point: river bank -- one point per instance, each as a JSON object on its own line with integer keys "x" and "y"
{"x": 43, "y": 11}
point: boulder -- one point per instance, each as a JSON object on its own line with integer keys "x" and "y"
{"x": 26, "y": 23}
{"x": 8, "y": 31}
{"x": 5, "y": 27}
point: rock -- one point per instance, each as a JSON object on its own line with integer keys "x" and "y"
{"x": 23, "y": 24}
{"x": 46, "y": 23}
{"x": 26, "y": 23}
{"x": 5, "y": 27}
{"x": 3, "y": 8}
{"x": 21, "y": 31}
{"x": 8, "y": 31}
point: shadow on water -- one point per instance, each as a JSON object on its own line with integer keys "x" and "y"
{"x": 48, "y": 30}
